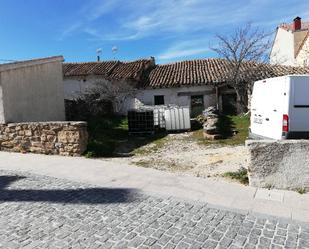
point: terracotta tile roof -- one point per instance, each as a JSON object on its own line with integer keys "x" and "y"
{"x": 130, "y": 70}
{"x": 108, "y": 69}
{"x": 211, "y": 71}
{"x": 88, "y": 68}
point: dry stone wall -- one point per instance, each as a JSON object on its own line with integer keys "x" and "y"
{"x": 56, "y": 138}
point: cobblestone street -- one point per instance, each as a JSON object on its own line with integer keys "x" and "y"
{"x": 44, "y": 212}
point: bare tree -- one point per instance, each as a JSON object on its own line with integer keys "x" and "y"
{"x": 246, "y": 45}
{"x": 117, "y": 92}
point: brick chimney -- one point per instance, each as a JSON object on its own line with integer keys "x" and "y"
{"x": 297, "y": 24}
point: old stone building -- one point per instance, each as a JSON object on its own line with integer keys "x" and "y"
{"x": 196, "y": 83}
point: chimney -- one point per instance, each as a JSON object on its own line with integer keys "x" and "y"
{"x": 297, "y": 24}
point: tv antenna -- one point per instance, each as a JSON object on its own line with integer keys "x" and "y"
{"x": 99, "y": 52}
{"x": 114, "y": 50}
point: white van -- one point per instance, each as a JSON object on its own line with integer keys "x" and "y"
{"x": 280, "y": 108}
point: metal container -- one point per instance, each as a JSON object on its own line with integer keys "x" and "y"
{"x": 141, "y": 121}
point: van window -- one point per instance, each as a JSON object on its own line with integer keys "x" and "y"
{"x": 159, "y": 99}
{"x": 301, "y": 93}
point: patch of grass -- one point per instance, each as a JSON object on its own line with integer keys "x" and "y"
{"x": 108, "y": 137}
{"x": 241, "y": 175}
{"x": 301, "y": 191}
{"x": 142, "y": 163}
{"x": 156, "y": 145}
{"x": 104, "y": 135}
{"x": 234, "y": 131}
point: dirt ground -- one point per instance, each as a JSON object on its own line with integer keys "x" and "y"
{"x": 180, "y": 153}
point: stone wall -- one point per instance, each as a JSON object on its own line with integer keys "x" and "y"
{"x": 57, "y": 138}
{"x": 279, "y": 164}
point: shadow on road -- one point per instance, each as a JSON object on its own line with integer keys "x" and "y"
{"x": 70, "y": 196}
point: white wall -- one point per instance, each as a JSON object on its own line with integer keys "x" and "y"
{"x": 171, "y": 95}
{"x": 283, "y": 48}
{"x": 32, "y": 90}
{"x": 302, "y": 58}
{"x": 76, "y": 87}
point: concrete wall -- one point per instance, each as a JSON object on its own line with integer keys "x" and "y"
{"x": 279, "y": 164}
{"x": 283, "y": 48}
{"x": 171, "y": 95}
{"x": 32, "y": 91}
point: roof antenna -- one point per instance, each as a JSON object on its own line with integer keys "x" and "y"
{"x": 99, "y": 52}
{"x": 114, "y": 50}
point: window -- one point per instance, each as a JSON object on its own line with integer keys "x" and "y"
{"x": 159, "y": 100}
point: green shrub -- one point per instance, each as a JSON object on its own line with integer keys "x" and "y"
{"x": 241, "y": 175}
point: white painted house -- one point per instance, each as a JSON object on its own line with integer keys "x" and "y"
{"x": 197, "y": 84}
{"x": 291, "y": 45}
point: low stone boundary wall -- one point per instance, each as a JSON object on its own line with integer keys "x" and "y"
{"x": 279, "y": 164}
{"x": 57, "y": 138}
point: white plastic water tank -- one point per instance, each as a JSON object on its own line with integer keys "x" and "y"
{"x": 177, "y": 118}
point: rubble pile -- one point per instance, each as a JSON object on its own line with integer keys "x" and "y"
{"x": 210, "y": 126}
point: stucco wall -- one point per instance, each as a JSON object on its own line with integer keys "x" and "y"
{"x": 74, "y": 87}
{"x": 32, "y": 91}
{"x": 171, "y": 95}
{"x": 283, "y": 48}
{"x": 279, "y": 164}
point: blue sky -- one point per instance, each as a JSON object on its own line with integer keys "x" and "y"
{"x": 170, "y": 30}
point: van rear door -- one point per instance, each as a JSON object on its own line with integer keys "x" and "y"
{"x": 299, "y": 104}
{"x": 267, "y": 107}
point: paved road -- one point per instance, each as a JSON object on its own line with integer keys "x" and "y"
{"x": 45, "y": 212}
{"x": 110, "y": 173}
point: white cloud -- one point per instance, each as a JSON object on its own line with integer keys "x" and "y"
{"x": 137, "y": 19}
{"x": 185, "y": 48}
{"x": 95, "y": 9}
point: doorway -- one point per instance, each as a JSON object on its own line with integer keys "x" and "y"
{"x": 229, "y": 104}
{"x": 197, "y": 105}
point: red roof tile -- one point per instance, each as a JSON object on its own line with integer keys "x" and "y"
{"x": 211, "y": 71}
{"x": 108, "y": 69}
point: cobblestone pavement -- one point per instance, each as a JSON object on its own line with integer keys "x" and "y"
{"x": 44, "y": 212}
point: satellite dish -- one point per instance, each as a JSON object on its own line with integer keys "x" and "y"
{"x": 99, "y": 51}
{"x": 114, "y": 49}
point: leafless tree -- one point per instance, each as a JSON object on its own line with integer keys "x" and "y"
{"x": 246, "y": 45}
{"x": 117, "y": 92}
